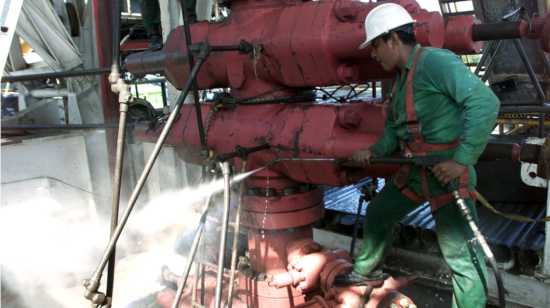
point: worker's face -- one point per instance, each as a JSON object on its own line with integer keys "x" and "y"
{"x": 385, "y": 53}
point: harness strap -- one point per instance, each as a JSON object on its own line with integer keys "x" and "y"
{"x": 428, "y": 147}
{"x": 389, "y": 99}
{"x": 420, "y": 147}
{"x": 414, "y": 127}
{"x": 439, "y": 202}
{"x": 463, "y": 192}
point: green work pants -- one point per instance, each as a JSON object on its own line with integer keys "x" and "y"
{"x": 150, "y": 12}
{"x": 460, "y": 249}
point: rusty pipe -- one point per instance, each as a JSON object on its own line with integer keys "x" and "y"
{"x": 499, "y": 30}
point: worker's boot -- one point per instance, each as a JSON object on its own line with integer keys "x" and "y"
{"x": 192, "y": 17}
{"x": 154, "y": 37}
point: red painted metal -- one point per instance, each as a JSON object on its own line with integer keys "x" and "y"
{"x": 302, "y": 130}
{"x": 545, "y": 35}
{"x": 135, "y": 45}
{"x": 384, "y": 295}
{"x": 104, "y": 44}
{"x": 458, "y": 34}
{"x": 300, "y": 248}
{"x": 292, "y": 130}
{"x": 268, "y": 250}
{"x": 305, "y": 44}
{"x": 539, "y": 29}
{"x": 305, "y": 272}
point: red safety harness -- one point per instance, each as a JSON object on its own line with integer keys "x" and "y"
{"x": 420, "y": 147}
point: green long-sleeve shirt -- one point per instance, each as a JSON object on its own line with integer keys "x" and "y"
{"x": 450, "y": 103}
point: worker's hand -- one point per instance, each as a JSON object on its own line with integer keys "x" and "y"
{"x": 447, "y": 171}
{"x": 362, "y": 157}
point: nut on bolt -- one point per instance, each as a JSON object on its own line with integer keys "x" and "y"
{"x": 261, "y": 277}
{"x": 248, "y": 273}
{"x": 348, "y": 118}
{"x": 345, "y": 10}
{"x": 347, "y": 73}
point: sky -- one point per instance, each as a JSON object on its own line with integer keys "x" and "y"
{"x": 430, "y": 5}
{"x": 433, "y": 5}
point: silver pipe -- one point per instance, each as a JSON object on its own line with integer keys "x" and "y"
{"x": 236, "y": 240}
{"x": 60, "y": 127}
{"x": 48, "y": 93}
{"x": 116, "y": 191}
{"x": 226, "y": 170}
{"x": 192, "y": 253}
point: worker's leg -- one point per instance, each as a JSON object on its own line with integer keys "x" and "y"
{"x": 150, "y": 12}
{"x": 464, "y": 256}
{"x": 150, "y": 15}
{"x": 387, "y": 208}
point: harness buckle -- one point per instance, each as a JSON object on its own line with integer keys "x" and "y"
{"x": 419, "y": 128}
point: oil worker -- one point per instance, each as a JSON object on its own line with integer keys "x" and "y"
{"x": 150, "y": 15}
{"x": 436, "y": 106}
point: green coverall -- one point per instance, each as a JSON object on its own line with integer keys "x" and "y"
{"x": 150, "y": 11}
{"x": 450, "y": 103}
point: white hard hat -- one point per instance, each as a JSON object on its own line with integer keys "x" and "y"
{"x": 384, "y": 18}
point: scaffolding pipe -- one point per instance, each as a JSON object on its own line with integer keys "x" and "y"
{"x": 236, "y": 239}
{"x": 191, "y": 61}
{"x": 61, "y": 127}
{"x": 117, "y": 177}
{"x": 528, "y": 122}
{"x": 226, "y": 170}
{"x": 65, "y": 74}
{"x": 192, "y": 253}
{"x": 523, "y": 56}
{"x": 116, "y": 192}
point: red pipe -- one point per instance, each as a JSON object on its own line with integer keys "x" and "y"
{"x": 306, "y": 44}
{"x": 104, "y": 45}
{"x": 299, "y": 130}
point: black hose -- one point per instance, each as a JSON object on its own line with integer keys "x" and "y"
{"x": 392, "y": 160}
{"x": 191, "y": 62}
{"x": 467, "y": 214}
{"x": 500, "y": 284}
{"x": 365, "y": 297}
